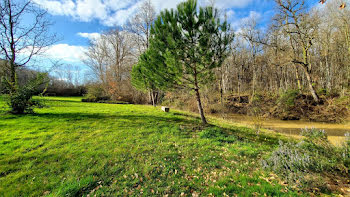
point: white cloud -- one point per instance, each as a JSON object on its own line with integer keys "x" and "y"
{"x": 87, "y": 10}
{"x": 121, "y": 16}
{"x": 90, "y": 36}
{"x": 233, "y": 3}
{"x": 65, "y": 7}
{"x": 237, "y": 22}
{"x": 116, "y": 12}
{"x": 164, "y": 4}
{"x": 65, "y": 52}
{"x": 230, "y": 13}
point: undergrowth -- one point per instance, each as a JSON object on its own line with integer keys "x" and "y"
{"x": 311, "y": 163}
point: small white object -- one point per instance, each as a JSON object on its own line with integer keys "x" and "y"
{"x": 165, "y": 109}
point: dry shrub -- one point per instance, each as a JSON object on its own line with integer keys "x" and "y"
{"x": 181, "y": 100}
{"x": 293, "y": 106}
{"x": 333, "y": 110}
{"x": 114, "y": 92}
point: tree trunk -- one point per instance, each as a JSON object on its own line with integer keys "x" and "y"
{"x": 221, "y": 91}
{"x": 329, "y": 77}
{"x": 151, "y": 97}
{"x": 298, "y": 79}
{"x": 154, "y": 98}
{"x": 253, "y": 85}
{"x": 13, "y": 78}
{"x": 239, "y": 89}
{"x": 311, "y": 87}
{"x": 200, "y": 108}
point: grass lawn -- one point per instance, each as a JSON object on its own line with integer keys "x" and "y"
{"x": 70, "y": 148}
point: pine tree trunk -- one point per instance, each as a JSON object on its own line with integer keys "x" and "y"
{"x": 200, "y": 108}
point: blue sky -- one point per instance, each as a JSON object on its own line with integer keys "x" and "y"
{"x": 77, "y": 21}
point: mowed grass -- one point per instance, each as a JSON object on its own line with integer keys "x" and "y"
{"x": 70, "y": 148}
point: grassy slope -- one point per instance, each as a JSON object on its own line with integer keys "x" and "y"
{"x": 73, "y": 148}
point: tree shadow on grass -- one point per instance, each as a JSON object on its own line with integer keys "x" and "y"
{"x": 136, "y": 120}
{"x": 242, "y": 133}
{"x": 99, "y": 116}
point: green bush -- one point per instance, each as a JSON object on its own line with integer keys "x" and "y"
{"x": 287, "y": 99}
{"x": 20, "y": 99}
{"x": 256, "y": 99}
{"x": 323, "y": 92}
{"x": 95, "y": 94}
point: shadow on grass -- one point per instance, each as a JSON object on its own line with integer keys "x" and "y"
{"x": 45, "y": 100}
{"x": 241, "y": 133}
{"x": 98, "y": 116}
{"x": 183, "y": 119}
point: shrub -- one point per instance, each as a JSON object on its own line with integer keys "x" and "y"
{"x": 95, "y": 94}
{"x": 291, "y": 162}
{"x": 302, "y": 164}
{"x": 256, "y": 99}
{"x": 287, "y": 99}
{"x": 314, "y": 134}
{"x": 20, "y": 100}
{"x": 95, "y": 91}
{"x": 346, "y": 150}
{"x": 323, "y": 92}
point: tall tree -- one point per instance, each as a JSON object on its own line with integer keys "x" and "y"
{"x": 111, "y": 57}
{"x": 296, "y": 23}
{"x": 21, "y": 40}
{"x": 251, "y": 35}
{"x": 189, "y": 43}
{"x": 140, "y": 26}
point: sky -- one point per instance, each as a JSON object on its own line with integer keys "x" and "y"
{"x": 77, "y": 21}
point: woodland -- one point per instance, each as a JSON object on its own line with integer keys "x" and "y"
{"x": 297, "y": 67}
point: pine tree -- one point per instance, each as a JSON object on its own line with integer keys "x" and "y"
{"x": 186, "y": 45}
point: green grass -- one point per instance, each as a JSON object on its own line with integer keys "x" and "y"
{"x": 70, "y": 148}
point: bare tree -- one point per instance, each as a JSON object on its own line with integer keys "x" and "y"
{"x": 297, "y": 25}
{"x": 141, "y": 23}
{"x": 95, "y": 59}
{"x": 119, "y": 50}
{"x": 20, "y": 40}
{"x": 140, "y": 26}
{"x": 251, "y": 34}
{"x": 111, "y": 58}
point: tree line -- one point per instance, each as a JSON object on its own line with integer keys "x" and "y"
{"x": 194, "y": 50}
{"x": 303, "y": 48}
